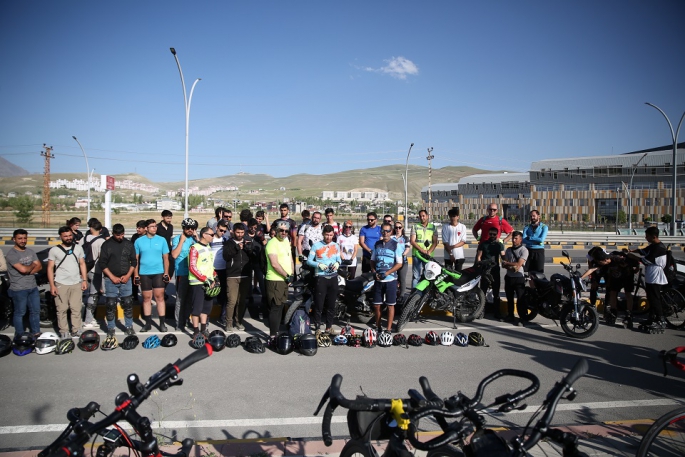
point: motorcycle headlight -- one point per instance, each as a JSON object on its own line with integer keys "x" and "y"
{"x": 431, "y": 271}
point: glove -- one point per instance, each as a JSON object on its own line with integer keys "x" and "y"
{"x": 336, "y": 265}
{"x": 289, "y": 279}
{"x": 208, "y": 282}
{"x": 323, "y": 267}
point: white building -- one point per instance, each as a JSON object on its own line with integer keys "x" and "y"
{"x": 328, "y": 195}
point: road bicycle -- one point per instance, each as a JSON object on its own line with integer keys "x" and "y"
{"x": 396, "y": 420}
{"x": 80, "y": 430}
{"x": 666, "y": 436}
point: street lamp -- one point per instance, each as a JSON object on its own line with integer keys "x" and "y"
{"x": 674, "y": 137}
{"x": 88, "y": 172}
{"x": 187, "y": 102}
{"x": 406, "y": 181}
{"x": 630, "y": 195}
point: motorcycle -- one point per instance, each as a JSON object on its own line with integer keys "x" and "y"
{"x": 446, "y": 290}
{"x": 558, "y": 299}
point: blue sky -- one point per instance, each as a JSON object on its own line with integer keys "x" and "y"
{"x": 303, "y": 86}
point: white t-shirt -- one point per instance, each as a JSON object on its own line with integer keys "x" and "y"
{"x": 347, "y": 244}
{"x": 453, "y": 235}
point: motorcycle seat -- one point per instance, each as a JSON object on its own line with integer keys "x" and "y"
{"x": 356, "y": 285}
{"x": 539, "y": 278}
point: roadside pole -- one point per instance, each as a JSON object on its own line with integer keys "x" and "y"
{"x": 108, "y": 184}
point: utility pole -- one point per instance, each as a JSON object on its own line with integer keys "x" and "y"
{"x": 430, "y": 195}
{"x": 46, "y": 184}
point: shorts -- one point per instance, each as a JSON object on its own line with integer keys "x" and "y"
{"x": 625, "y": 281}
{"x": 387, "y": 289}
{"x": 198, "y": 300}
{"x": 149, "y": 282}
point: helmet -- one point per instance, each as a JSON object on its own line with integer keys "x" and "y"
{"x": 198, "y": 341}
{"x": 308, "y": 344}
{"x": 130, "y": 342}
{"x": 399, "y": 340}
{"x": 347, "y": 331}
{"x": 415, "y": 340}
{"x": 447, "y": 339}
{"x": 284, "y": 343}
{"x": 354, "y": 341}
{"x": 476, "y": 339}
{"x": 151, "y": 342}
{"x": 212, "y": 292}
{"x": 254, "y": 345}
{"x": 370, "y": 337}
{"x": 432, "y": 338}
{"x": 340, "y": 340}
{"x": 46, "y": 343}
{"x": 217, "y": 339}
{"x": 385, "y": 340}
{"x": 169, "y": 340}
{"x": 233, "y": 340}
{"x": 109, "y": 343}
{"x": 323, "y": 340}
{"x": 189, "y": 223}
{"x": 89, "y": 341}
{"x": 23, "y": 344}
{"x": 461, "y": 340}
{"x": 5, "y": 345}
{"x": 65, "y": 346}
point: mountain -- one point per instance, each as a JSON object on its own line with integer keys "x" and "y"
{"x": 8, "y": 169}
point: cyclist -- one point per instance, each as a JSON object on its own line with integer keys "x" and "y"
{"x": 654, "y": 258}
{"x": 337, "y": 229}
{"x": 399, "y": 236}
{"x": 140, "y": 231}
{"x": 386, "y": 260}
{"x": 118, "y": 262}
{"x": 238, "y": 257}
{"x": 201, "y": 274}
{"x": 95, "y": 238}
{"x": 180, "y": 245}
{"x": 324, "y": 258}
{"x": 368, "y": 236}
{"x": 152, "y": 272}
{"x": 619, "y": 272}
{"x": 279, "y": 271}
{"x": 492, "y": 249}
{"x": 453, "y": 239}
{"x": 349, "y": 244}
{"x": 22, "y": 265}
{"x": 217, "y": 244}
{"x": 424, "y": 240}
{"x": 310, "y": 234}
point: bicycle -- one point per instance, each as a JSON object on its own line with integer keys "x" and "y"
{"x": 666, "y": 436}
{"x": 79, "y": 431}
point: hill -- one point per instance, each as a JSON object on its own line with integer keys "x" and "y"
{"x": 8, "y": 169}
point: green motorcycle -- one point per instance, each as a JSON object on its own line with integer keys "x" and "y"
{"x": 444, "y": 289}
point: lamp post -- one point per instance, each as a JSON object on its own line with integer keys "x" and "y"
{"x": 674, "y": 137}
{"x": 406, "y": 182}
{"x": 88, "y": 175}
{"x": 616, "y": 218}
{"x": 187, "y": 101}
{"x": 630, "y": 195}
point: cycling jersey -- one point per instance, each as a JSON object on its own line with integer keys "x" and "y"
{"x": 200, "y": 264}
{"x": 386, "y": 256}
{"x": 151, "y": 250}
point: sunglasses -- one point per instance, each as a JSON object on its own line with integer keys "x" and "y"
{"x": 221, "y": 230}
{"x": 492, "y": 209}
{"x": 209, "y": 233}
{"x": 398, "y": 227}
{"x": 282, "y": 231}
{"x": 347, "y": 227}
{"x": 387, "y": 231}
{"x": 371, "y": 220}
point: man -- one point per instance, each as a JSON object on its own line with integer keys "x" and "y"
{"x": 491, "y": 249}
{"x": 117, "y": 263}
{"x": 22, "y": 264}
{"x": 292, "y": 233}
{"x": 386, "y": 260}
{"x": 217, "y": 246}
{"x": 218, "y": 214}
{"x": 306, "y": 219}
{"x": 166, "y": 231}
{"x": 279, "y": 273}
{"x": 654, "y": 258}
{"x": 619, "y": 272}
{"x": 324, "y": 259}
{"x": 140, "y": 231}
{"x": 228, "y": 217}
{"x": 387, "y": 219}
{"x": 515, "y": 258}
{"x": 310, "y": 234}
{"x": 68, "y": 280}
{"x": 368, "y": 236}
{"x": 201, "y": 274}
{"x": 534, "y": 239}
{"x": 453, "y": 239}
{"x": 92, "y": 241}
{"x": 491, "y": 220}
{"x": 330, "y": 215}
{"x": 245, "y": 216}
{"x": 238, "y": 257}
{"x": 424, "y": 240}
{"x": 263, "y": 222}
{"x": 180, "y": 245}
{"x": 152, "y": 273}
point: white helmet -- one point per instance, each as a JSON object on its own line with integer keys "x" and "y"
{"x": 385, "y": 340}
{"x": 370, "y": 337}
{"x": 447, "y": 339}
{"x": 46, "y": 343}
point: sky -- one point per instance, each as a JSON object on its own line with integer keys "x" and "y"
{"x": 318, "y": 87}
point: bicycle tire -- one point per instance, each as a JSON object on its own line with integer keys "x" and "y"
{"x": 354, "y": 448}
{"x": 473, "y": 305}
{"x": 673, "y": 304}
{"x": 409, "y": 310}
{"x": 445, "y": 451}
{"x": 666, "y": 436}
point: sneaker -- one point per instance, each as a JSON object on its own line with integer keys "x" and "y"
{"x": 90, "y": 325}
{"x": 162, "y": 328}
{"x": 64, "y": 335}
{"x": 130, "y": 331}
{"x": 239, "y": 326}
{"x": 76, "y": 334}
{"x": 229, "y": 328}
{"x": 222, "y": 321}
{"x": 146, "y": 328}
{"x": 111, "y": 332}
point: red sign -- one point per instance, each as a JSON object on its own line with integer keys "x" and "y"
{"x": 110, "y": 182}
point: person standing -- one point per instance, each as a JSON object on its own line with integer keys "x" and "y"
{"x": 492, "y": 220}
{"x": 491, "y": 249}
{"x": 368, "y": 236}
{"x": 424, "y": 240}
{"x": 279, "y": 274}
{"x": 201, "y": 274}
{"x": 386, "y": 260}
{"x": 387, "y": 219}
{"x": 337, "y": 229}
{"x": 292, "y": 233}
{"x": 218, "y": 214}
{"x": 180, "y": 245}
{"x": 238, "y": 256}
{"x": 454, "y": 239}
{"x": 75, "y": 224}
{"x": 654, "y": 258}
{"x": 534, "y": 236}
{"x": 117, "y": 263}
{"x": 68, "y": 280}
{"x": 324, "y": 259}
{"x": 401, "y": 238}
{"x": 217, "y": 246}
{"x": 349, "y": 244}
{"x": 152, "y": 272}
{"x": 140, "y": 231}
{"x": 166, "y": 230}
{"x": 22, "y": 264}
{"x": 310, "y": 234}
{"x": 256, "y": 234}
{"x": 515, "y": 258}
{"x": 92, "y": 241}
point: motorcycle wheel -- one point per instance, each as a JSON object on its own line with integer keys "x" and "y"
{"x": 527, "y": 312}
{"x": 410, "y": 310}
{"x": 294, "y": 306}
{"x": 586, "y": 324}
{"x": 472, "y": 305}
{"x": 48, "y": 311}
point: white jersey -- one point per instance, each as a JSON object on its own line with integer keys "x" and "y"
{"x": 312, "y": 234}
{"x": 347, "y": 244}
{"x": 453, "y": 235}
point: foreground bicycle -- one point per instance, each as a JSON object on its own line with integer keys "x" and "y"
{"x": 80, "y": 430}
{"x": 396, "y": 419}
{"x": 666, "y": 436}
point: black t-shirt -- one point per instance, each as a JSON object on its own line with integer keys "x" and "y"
{"x": 166, "y": 233}
{"x": 492, "y": 250}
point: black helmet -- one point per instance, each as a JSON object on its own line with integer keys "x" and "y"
{"x": 399, "y": 340}
{"x": 89, "y": 341}
{"x": 476, "y": 339}
{"x": 254, "y": 345}
{"x": 110, "y": 343}
{"x": 217, "y": 339}
{"x": 198, "y": 341}
{"x": 66, "y": 346}
{"x": 169, "y": 340}
{"x": 5, "y": 345}
{"x": 308, "y": 344}
{"x": 233, "y": 340}
{"x": 130, "y": 342}
{"x": 189, "y": 223}
{"x": 284, "y": 344}
{"x": 24, "y": 344}
{"x": 415, "y": 340}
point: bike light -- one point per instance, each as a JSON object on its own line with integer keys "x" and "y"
{"x": 432, "y": 270}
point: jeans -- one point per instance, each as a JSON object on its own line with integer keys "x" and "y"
{"x": 123, "y": 292}
{"x": 416, "y": 270}
{"x": 28, "y": 299}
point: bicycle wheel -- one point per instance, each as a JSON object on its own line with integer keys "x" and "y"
{"x": 354, "y": 448}
{"x": 666, "y": 436}
{"x": 673, "y": 304}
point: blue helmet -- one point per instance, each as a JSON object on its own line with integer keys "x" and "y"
{"x": 23, "y": 344}
{"x": 152, "y": 342}
{"x": 340, "y": 340}
{"x": 461, "y": 340}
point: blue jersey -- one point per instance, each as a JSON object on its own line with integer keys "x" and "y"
{"x": 386, "y": 256}
{"x": 181, "y": 262}
{"x": 328, "y": 254}
{"x": 371, "y": 236}
{"x": 151, "y": 251}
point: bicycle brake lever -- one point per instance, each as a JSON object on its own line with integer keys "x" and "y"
{"x": 172, "y": 383}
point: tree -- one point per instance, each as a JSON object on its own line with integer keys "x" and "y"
{"x": 622, "y": 218}
{"x": 23, "y": 209}
{"x": 666, "y": 218}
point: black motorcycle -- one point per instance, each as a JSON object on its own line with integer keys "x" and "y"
{"x": 559, "y": 299}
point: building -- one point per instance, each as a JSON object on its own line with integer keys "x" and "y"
{"x": 167, "y": 203}
{"x": 577, "y": 189}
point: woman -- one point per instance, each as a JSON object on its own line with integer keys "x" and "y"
{"x": 399, "y": 236}
{"x": 349, "y": 244}
{"x": 74, "y": 224}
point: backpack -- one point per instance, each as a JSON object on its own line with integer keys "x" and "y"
{"x": 671, "y": 268}
{"x": 299, "y": 323}
{"x": 91, "y": 260}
